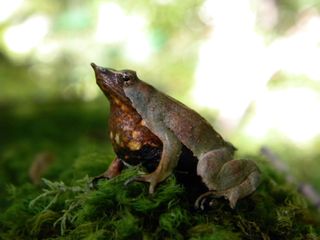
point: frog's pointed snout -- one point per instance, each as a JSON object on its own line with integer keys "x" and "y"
{"x": 93, "y": 65}
{"x": 98, "y": 71}
{"x": 97, "y": 68}
{"x": 102, "y": 70}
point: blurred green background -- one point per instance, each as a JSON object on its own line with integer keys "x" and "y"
{"x": 250, "y": 67}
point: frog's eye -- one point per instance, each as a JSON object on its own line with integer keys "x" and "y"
{"x": 126, "y": 77}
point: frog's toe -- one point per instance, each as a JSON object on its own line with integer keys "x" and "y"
{"x": 203, "y": 203}
{"x": 202, "y": 200}
{"x": 149, "y": 178}
{"x": 94, "y": 182}
{"x": 134, "y": 179}
{"x": 205, "y": 199}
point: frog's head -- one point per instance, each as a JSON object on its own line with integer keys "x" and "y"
{"x": 113, "y": 82}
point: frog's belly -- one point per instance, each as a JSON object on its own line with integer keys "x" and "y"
{"x": 147, "y": 155}
{"x": 150, "y": 157}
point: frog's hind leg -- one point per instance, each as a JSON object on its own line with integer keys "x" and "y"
{"x": 235, "y": 180}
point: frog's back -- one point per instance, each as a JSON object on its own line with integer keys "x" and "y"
{"x": 192, "y": 129}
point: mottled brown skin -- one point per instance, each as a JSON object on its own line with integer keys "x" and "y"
{"x": 132, "y": 141}
{"x": 148, "y": 126}
{"x": 126, "y": 128}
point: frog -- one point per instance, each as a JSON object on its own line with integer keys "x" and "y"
{"x": 150, "y": 127}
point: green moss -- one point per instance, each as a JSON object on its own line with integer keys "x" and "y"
{"x": 65, "y": 207}
{"x": 115, "y": 211}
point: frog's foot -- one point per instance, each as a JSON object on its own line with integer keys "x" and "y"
{"x": 169, "y": 160}
{"x": 236, "y": 179}
{"x": 96, "y": 179}
{"x": 233, "y": 193}
{"x": 153, "y": 179}
{"x": 205, "y": 199}
{"x": 113, "y": 170}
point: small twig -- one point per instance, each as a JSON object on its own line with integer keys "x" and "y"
{"x": 304, "y": 188}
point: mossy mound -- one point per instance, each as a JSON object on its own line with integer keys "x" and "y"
{"x": 115, "y": 211}
{"x": 68, "y": 209}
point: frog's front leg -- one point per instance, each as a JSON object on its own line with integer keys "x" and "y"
{"x": 169, "y": 160}
{"x": 233, "y": 179}
{"x": 113, "y": 170}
